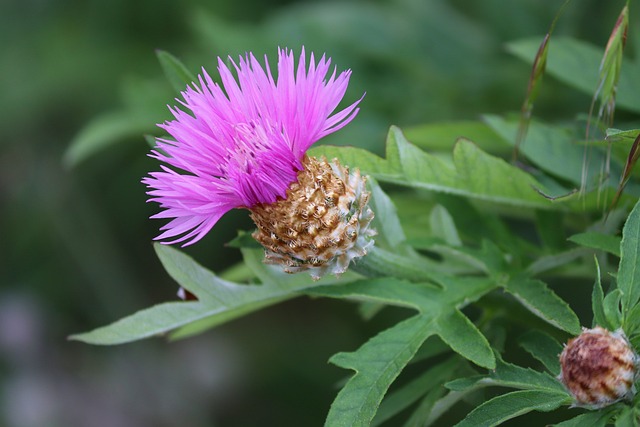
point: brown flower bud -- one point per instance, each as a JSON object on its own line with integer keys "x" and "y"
{"x": 598, "y": 368}
{"x": 322, "y": 224}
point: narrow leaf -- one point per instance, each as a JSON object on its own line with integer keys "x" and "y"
{"x": 175, "y": 71}
{"x": 218, "y": 301}
{"x": 390, "y": 233}
{"x": 511, "y": 405}
{"x": 443, "y": 226}
{"x": 595, "y": 240}
{"x": 377, "y": 364}
{"x": 509, "y": 375}
{"x": 597, "y": 301}
{"x": 590, "y": 419}
{"x": 464, "y": 338}
{"x": 411, "y": 392}
{"x": 611, "y": 305}
{"x": 544, "y": 348}
{"x": 544, "y": 303}
{"x": 103, "y": 132}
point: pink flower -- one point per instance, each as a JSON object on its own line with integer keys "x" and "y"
{"x": 244, "y": 145}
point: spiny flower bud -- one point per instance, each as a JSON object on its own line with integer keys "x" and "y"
{"x": 321, "y": 225}
{"x": 599, "y": 367}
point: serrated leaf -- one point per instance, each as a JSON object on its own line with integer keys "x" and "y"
{"x": 544, "y": 303}
{"x": 511, "y": 405}
{"x": 629, "y": 271}
{"x": 218, "y": 301}
{"x": 455, "y": 329}
{"x": 379, "y": 361}
{"x": 595, "y": 240}
{"x": 104, "y": 131}
{"x": 544, "y": 348}
{"x": 473, "y": 173}
{"x": 178, "y": 75}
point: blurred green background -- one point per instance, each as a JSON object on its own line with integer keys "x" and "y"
{"x": 76, "y": 240}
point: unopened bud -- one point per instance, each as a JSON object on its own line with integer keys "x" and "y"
{"x": 322, "y": 224}
{"x": 599, "y": 367}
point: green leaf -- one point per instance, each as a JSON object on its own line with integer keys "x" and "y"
{"x": 377, "y": 364}
{"x": 409, "y": 393}
{"x": 443, "y": 135}
{"x": 156, "y": 320}
{"x": 629, "y": 271}
{"x": 175, "y": 71}
{"x": 617, "y": 135}
{"x": 509, "y": 375}
{"x": 473, "y": 173}
{"x": 549, "y": 147}
{"x": 424, "y": 410}
{"x": 390, "y": 233}
{"x": 381, "y": 263}
{"x": 544, "y": 348}
{"x": 464, "y": 338}
{"x": 511, "y": 405}
{"x": 544, "y": 303}
{"x": 611, "y": 305}
{"x": 577, "y": 64}
{"x": 549, "y": 262}
{"x": 443, "y": 226}
{"x": 379, "y": 361}
{"x": 588, "y": 419}
{"x": 218, "y": 301}
{"x": 104, "y": 131}
{"x": 599, "y": 241}
{"x": 627, "y": 417}
{"x": 597, "y": 301}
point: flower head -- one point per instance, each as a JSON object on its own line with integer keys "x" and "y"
{"x": 244, "y": 141}
{"x": 322, "y": 224}
{"x": 599, "y": 367}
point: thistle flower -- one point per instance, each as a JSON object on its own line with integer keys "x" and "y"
{"x": 244, "y": 146}
{"x": 599, "y": 368}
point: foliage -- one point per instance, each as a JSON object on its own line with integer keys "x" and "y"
{"x": 487, "y": 256}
